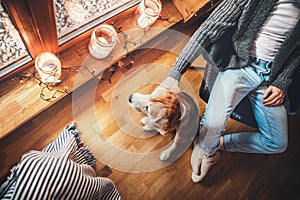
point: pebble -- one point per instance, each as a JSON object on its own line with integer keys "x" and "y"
{"x": 9, "y": 50}
{"x": 93, "y": 8}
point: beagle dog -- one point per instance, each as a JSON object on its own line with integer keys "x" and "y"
{"x": 168, "y": 112}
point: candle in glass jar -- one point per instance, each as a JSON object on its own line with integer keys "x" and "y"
{"x": 48, "y": 67}
{"x": 147, "y": 12}
{"x": 102, "y": 41}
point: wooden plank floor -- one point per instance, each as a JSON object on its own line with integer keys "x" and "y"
{"x": 101, "y": 111}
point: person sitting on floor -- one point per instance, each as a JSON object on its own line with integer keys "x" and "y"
{"x": 256, "y": 46}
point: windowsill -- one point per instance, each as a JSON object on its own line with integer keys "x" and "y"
{"x": 20, "y": 101}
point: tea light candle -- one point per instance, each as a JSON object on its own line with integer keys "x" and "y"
{"x": 147, "y": 12}
{"x": 48, "y": 67}
{"x": 103, "y": 40}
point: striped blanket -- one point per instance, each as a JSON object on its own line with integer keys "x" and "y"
{"x": 62, "y": 170}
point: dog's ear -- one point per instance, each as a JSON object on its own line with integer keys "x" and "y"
{"x": 173, "y": 115}
{"x": 166, "y": 127}
{"x": 162, "y": 122}
{"x": 172, "y": 112}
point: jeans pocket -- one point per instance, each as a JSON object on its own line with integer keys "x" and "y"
{"x": 266, "y": 77}
{"x": 262, "y": 68}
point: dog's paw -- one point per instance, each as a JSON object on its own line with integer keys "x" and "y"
{"x": 165, "y": 155}
{"x": 149, "y": 130}
{"x": 146, "y": 128}
{"x": 144, "y": 120}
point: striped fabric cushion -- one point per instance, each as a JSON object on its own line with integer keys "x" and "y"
{"x": 63, "y": 170}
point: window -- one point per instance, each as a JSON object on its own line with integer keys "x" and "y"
{"x": 49, "y": 25}
{"x": 13, "y": 52}
{"x": 74, "y": 17}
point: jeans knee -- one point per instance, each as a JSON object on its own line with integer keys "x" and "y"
{"x": 276, "y": 146}
{"x": 281, "y": 147}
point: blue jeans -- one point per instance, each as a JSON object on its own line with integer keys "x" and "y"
{"x": 230, "y": 87}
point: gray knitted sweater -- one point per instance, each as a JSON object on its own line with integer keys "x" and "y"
{"x": 242, "y": 20}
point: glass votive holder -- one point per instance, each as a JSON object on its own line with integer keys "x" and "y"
{"x": 147, "y": 12}
{"x": 48, "y": 67}
{"x": 103, "y": 40}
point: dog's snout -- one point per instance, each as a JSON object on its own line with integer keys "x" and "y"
{"x": 129, "y": 98}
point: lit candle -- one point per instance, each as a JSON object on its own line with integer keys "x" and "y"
{"x": 147, "y": 12}
{"x": 48, "y": 67}
{"x": 103, "y": 40}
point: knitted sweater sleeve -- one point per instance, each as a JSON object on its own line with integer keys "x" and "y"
{"x": 224, "y": 16}
{"x": 285, "y": 78}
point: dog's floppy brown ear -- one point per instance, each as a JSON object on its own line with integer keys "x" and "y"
{"x": 171, "y": 105}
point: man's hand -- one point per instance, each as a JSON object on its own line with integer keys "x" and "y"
{"x": 171, "y": 84}
{"x": 273, "y": 96}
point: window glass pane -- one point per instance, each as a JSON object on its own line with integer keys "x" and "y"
{"x": 13, "y": 52}
{"x": 74, "y": 17}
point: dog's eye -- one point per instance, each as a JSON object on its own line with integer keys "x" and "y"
{"x": 146, "y": 108}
